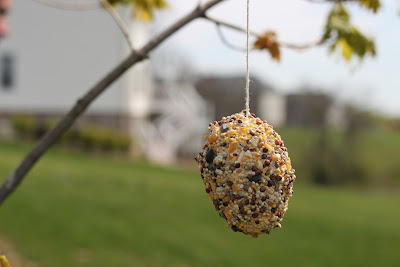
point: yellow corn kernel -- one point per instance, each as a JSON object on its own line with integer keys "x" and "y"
{"x": 232, "y": 148}
{"x": 288, "y": 165}
{"x": 235, "y": 188}
{"x": 213, "y": 138}
{"x": 233, "y": 158}
{"x": 268, "y": 146}
{"x": 228, "y": 215}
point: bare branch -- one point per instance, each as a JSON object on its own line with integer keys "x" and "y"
{"x": 226, "y": 42}
{"x": 231, "y": 26}
{"x": 17, "y": 176}
{"x": 305, "y": 46}
{"x": 69, "y": 6}
{"x": 118, "y": 20}
{"x": 258, "y": 35}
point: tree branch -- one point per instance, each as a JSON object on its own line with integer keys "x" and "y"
{"x": 69, "y": 6}
{"x": 219, "y": 22}
{"x": 226, "y": 42}
{"x": 117, "y": 20}
{"x": 17, "y": 176}
{"x": 231, "y": 26}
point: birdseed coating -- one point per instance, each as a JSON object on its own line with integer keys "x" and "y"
{"x": 247, "y": 173}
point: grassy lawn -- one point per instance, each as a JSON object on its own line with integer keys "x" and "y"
{"x": 79, "y": 210}
{"x": 374, "y": 152}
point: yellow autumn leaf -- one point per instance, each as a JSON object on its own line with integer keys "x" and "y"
{"x": 374, "y": 5}
{"x": 143, "y": 14}
{"x": 142, "y": 9}
{"x": 341, "y": 33}
{"x": 347, "y": 51}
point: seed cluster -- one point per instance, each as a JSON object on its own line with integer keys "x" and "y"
{"x": 247, "y": 173}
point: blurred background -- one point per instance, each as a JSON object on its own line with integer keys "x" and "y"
{"x": 121, "y": 188}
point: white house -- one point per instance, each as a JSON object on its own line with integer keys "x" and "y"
{"x": 272, "y": 107}
{"x": 53, "y": 56}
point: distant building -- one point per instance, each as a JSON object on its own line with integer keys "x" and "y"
{"x": 53, "y": 56}
{"x": 272, "y": 107}
{"x": 228, "y": 96}
{"x": 310, "y": 108}
{"x": 336, "y": 116}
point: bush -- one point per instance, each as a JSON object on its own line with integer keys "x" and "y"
{"x": 105, "y": 139}
{"x": 88, "y": 137}
{"x": 24, "y": 125}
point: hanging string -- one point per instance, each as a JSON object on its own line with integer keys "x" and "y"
{"x": 247, "y": 93}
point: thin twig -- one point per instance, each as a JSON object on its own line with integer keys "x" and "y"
{"x": 258, "y": 35}
{"x": 231, "y": 26}
{"x": 226, "y": 42}
{"x": 69, "y": 6}
{"x": 305, "y": 46}
{"x": 118, "y": 20}
{"x": 18, "y": 175}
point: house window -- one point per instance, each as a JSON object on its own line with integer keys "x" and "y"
{"x": 7, "y": 72}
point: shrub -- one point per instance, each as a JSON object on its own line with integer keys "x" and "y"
{"x": 102, "y": 138}
{"x": 88, "y": 137}
{"x": 24, "y": 125}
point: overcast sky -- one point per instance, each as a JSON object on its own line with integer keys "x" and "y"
{"x": 373, "y": 83}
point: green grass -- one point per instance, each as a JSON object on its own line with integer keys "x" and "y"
{"x": 79, "y": 210}
{"x": 374, "y": 153}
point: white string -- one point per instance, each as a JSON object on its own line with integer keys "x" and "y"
{"x": 247, "y": 98}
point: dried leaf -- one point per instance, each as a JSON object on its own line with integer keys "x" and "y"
{"x": 269, "y": 42}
